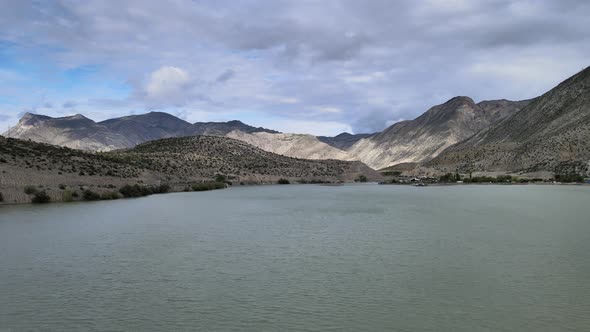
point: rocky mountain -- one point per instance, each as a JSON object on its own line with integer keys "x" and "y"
{"x": 76, "y": 132}
{"x": 79, "y": 132}
{"x": 428, "y": 135}
{"x": 411, "y": 141}
{"x": 175, "y": 161}
{"x": 551, "y": 133}
{"x": 292, "y": 145}
{"x": 224, "y": 128}
{"x": 342, "y": 141}
{"x": 146, "y": 127}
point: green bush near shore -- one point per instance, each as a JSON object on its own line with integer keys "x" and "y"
{"x": 1, "y": 197}
{"x": 283, "y": 181}
{"x": 40, "y": 197}
{"x": 569, "y": 178}
{"x": 450, "y": 177}
{"x": 30, "y": 190}
{"x": 207, "y": 186}
{"x": 220, "y": 178}
{"x": 141, "y": 191}
{"x": 67, "y": 196}
{"x": 89, "y": 195}
{"x": 110, "y": 195}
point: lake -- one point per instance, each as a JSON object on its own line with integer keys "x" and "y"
{"x": 303, "y": 258}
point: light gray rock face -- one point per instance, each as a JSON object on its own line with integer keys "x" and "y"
{"x": 428, "y": 135}
{"x": 76, "y": 132}
{"x": 550, "y": 134}
{"x": 292, "y": 145}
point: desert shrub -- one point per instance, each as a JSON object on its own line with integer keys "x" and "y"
{"x": 67, "y": 196}
{"x": 89, "y": 195}
{"x": 161, "y": 189}
{"x": 283, "y": 181}
{"x": 132, "y": 191}
{"x": 140, "y": 191}
{"x": 62, "y": 186}
{"x": 450, "y": 177}
{"x": 392, "y": 173}
{"x": 207, "y": 186}
{"x": 362, "y": 178}
{"x": 568, "y": 178}
{"x": 220, "y": 178}
{"x": 40, "y": 197}
{"x": 30, "y": 190}
{"x": 110, "y": 195}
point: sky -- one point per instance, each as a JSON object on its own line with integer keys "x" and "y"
{"x": 307, "y": 66}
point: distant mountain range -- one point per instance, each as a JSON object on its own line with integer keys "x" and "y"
{"x": 79, "y": 132}
{"x": 538, "y": 134}
{"x": 407, "y": 141}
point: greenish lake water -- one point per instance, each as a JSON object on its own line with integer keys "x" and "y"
{"x": 302, "y": 258}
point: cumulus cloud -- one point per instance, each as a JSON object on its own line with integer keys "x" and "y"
{"x": 166, "y": 81}
{"x": 376, "y": 61}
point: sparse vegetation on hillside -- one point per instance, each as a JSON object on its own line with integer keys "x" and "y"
{"x": 44, "y": 157}
{"x": 219, "y": 157}
{"x": 178, "y": 161}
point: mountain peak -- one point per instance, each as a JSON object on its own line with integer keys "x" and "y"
{"x": 460, "y": 100}
{"x": 27, "y": 117}
{"x": 77, "y": 117}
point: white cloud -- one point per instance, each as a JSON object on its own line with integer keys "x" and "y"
{"x": 326, "y": 109}
{"x": 167, "y": 81}
{"x": 278, "y": 99}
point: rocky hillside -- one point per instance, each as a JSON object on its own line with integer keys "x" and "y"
{"x": 79, "y": 132}
{"x": 76, "y": 132}
{"x": 428, "y": 135}
{"x": 342, "y": 141}
{"x": 404, "y": 142}
{"x": 206, "y": 156}
{"x": 136, "y": 129}
{"x": 176, "y": 161}
{"x": 411, "y": 141}
{"x": 292, "y": 145}
{"x": 552, "y": 133}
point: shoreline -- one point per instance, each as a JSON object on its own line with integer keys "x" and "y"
{"x": 172, "y": 191}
